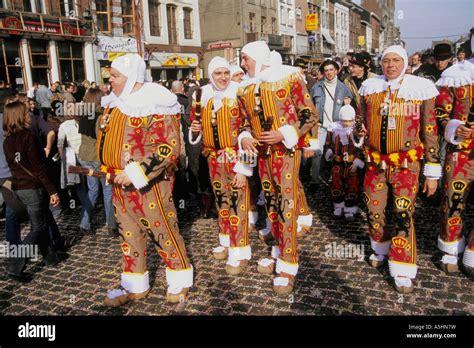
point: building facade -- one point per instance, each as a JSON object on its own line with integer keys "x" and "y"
{"x": 172, "y": 38}
{"x": 45, "y": 41}
{"x": 341, "y": 21}
{"x": 302, "y": 43}
{"x": 226, "y": 26}
{"x": 287, "y": 29}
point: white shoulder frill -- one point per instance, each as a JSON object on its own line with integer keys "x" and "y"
{"x": 456, "y": 76}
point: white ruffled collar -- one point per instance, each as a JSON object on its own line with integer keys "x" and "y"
{"x": 344, "y": 134}
{"x": 411, "y": 87}
{"x": 209, "y": 92}
{"x": 271, "y": 74}
{"x": 151, "y": 99}
{"x": 457, "y": 75}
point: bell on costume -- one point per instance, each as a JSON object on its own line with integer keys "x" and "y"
{"x": 383, "y": 165}
{"x": 368, "y": 159}
{"x": 405, "y": 164}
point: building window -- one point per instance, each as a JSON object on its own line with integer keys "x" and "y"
{"x": 172, "y": 30}
{"x": 274, "y": 26}
{"x": 39, "y": 60}
{"x": 11, "y": 64}
{"x": 71, "y": 61}
{"x": 67, "y": 8}
{"x": 188, "y": 28}
{"x": 39, "y": 6}
{"x": 103, "y": 15}
{"x": 154, "y": 16}
{"x": 291, "y": 17}
{"x": 282, "y": 15}
{"x": 263, "y": 24}
{"x": 252, "y": 22}
{"x": 128, "y": 17}
{"x": 21, "y": 5}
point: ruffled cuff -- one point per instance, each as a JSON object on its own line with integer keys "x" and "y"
{"x": 244, "y": 169}
{"x": 290, "y": 136}
{"x": 313, "y": 144}
{"x": 450, "y": 131}
{"x": 136, "y": 175}
{"x": 242, "y": 136}
{"x": 433, "y": 171}
{"x": 359, "y": 164}
{"x": 190, "y": 137}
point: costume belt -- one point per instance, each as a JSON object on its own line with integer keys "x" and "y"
{"x": 348, "y": 159}
{"x": 397, "y": 159}
{"x": 105, "y": 169}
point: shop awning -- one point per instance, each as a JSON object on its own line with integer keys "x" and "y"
{"x": 328, "y": 38}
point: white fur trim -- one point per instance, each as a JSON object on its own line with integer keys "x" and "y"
{"x": 412, "y": 88}
{"x": 290, "y": 136}
{"x": 313, "y": 145}
{"x": 350, "y": 210}
{"x": 224, "y": 240}
{"x": 116, "y": 293}
{"x": 433, "y": 171}
{"x": 286, "y": 267}
{"x": 450, "y": 131}
{"x": 240, "y": 253}
{"x": 242, "y": 136}
{"x": 452, "y": 248}
{"x": 359, "y": 164}
{"x": 449, "y": 259}
{"x": 306, "y": 220}
{"x": 403, "y": 281}
{"x": 328, "y": 155}
{"x": 455, "y": 76}
{"x": 180, "y": 278}
{"x": 468, "y": 258}
{"x": 190, "y": 137}
{"x": 136, "y": 175}
{"x": 403, "y": 270}
{"x": 358, "y": 143}
{"x": 267, "y": 229}
{"x": 218, "y": 249}
{"x": 281, "y": 281}
{"x": 265, "y": 262}
{"x": 135, "y": 282}
{"x": 253, "y": 217}
{"x": 380, "y": 248}
{"x": 244, "y": 169}
{"x": 275, "y": 252}
{"x": 377, "y": 257}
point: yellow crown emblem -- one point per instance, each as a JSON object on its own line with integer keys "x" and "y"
{"x": 399, "y": 242}
{"x": 164, "y": 150}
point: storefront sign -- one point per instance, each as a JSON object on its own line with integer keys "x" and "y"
{"x": 170, "y": 60}
{"x": 361, "y": 40}
{"x": 15, "y": 24}
{"x": 219, "y": 45}
{"x": 117, "y": 44}
{"x": 312, "y": 22}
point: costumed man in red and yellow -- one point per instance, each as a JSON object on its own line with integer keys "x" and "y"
{"x": 278, "y": 111}
{"x": 346, "y": 156}
{"x": 455, "y": 111}
{"x": 139, "y": 141}
{"x": 398, "y": 111}
{"x": 216, "y": 121}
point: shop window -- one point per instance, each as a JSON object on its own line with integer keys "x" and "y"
{"x": 39, "y": 60}
{"x": 128, "y": 17}
{"x": 188, "y": 29}
{"x": 154, "y": 16}
{"x": 71, "y": 61}
{"x": 103, "y": 15}
{"x": 11, "y": 64}
{"x": 172, "y": 30}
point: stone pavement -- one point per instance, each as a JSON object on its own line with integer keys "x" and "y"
{"x": 327, "y": 283}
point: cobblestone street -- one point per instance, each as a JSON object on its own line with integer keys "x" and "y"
{"x": 325, "y": 285}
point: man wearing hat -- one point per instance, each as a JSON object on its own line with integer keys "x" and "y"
{"x": 442, "y": 54}
{"x": 398, "y": 111}
{"x": 455, "y": 112}
{"x": 280, "y": 116}
{"x": 359, "y": 68}
{"x": 218, "y": 127}
{"x": 139, "y": 142}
